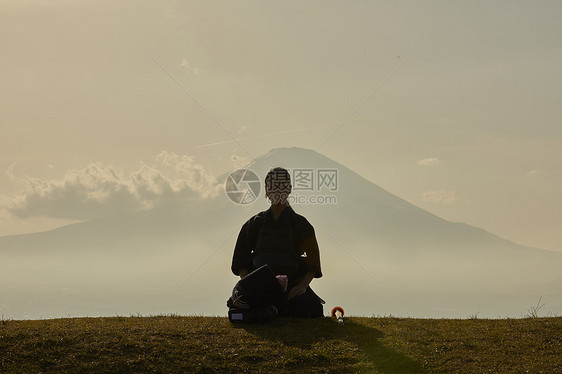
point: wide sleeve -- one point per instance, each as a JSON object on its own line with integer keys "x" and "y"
{"x": 243, "y": 250}
{"x": 310, "y": 251}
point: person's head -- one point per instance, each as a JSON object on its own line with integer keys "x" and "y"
{"x": 278, "y": 185}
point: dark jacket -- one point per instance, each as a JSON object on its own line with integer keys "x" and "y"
{"x": 291, "y": 236}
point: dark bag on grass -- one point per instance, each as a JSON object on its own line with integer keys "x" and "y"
{"x": 260, "y": 315}
{"x": 254, "y": 295}
{"x": 257, "y": 289}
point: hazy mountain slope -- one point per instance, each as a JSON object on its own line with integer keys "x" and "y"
{"x": 368, "y": 234}
{"x": 364, "y": 211}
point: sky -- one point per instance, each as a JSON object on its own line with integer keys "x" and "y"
{"x": 454, "y": 106}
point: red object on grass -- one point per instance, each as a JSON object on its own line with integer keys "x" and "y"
{"x": 337, "y": 309}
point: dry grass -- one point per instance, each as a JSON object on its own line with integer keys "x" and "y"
{"x": 174, "y": 344}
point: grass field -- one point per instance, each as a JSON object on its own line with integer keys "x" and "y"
{"x": 175, "y": 344}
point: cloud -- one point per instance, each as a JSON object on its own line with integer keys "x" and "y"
{"x": 533, "y": 172}
{"x": 100, "y": 190}
{"x": 195, "y": 70}
{"x": 4, "y": 202}
{"x": 429, "y": 161}
{"x": 439, "y": 196}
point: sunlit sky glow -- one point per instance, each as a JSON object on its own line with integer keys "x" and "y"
{"x": 469, "y": 128}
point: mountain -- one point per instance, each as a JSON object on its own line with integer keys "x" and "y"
{"x": 380, "y": 254}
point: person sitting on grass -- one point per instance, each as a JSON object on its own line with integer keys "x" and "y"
{"x": 284, "y": 241}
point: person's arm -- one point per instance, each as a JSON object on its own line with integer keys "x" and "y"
{"x": 309, "y": 246}
{"x": 241, "y": 259}
{"x": 242, "y": 272}
{"x": 300, "y": 288}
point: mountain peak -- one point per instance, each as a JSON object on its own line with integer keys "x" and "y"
{"x": 291, "y": 158}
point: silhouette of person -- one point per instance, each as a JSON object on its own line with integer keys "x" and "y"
{"x": 286, "y": 242}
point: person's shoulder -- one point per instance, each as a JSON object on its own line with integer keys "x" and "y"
{"x": 256, "y": 218}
